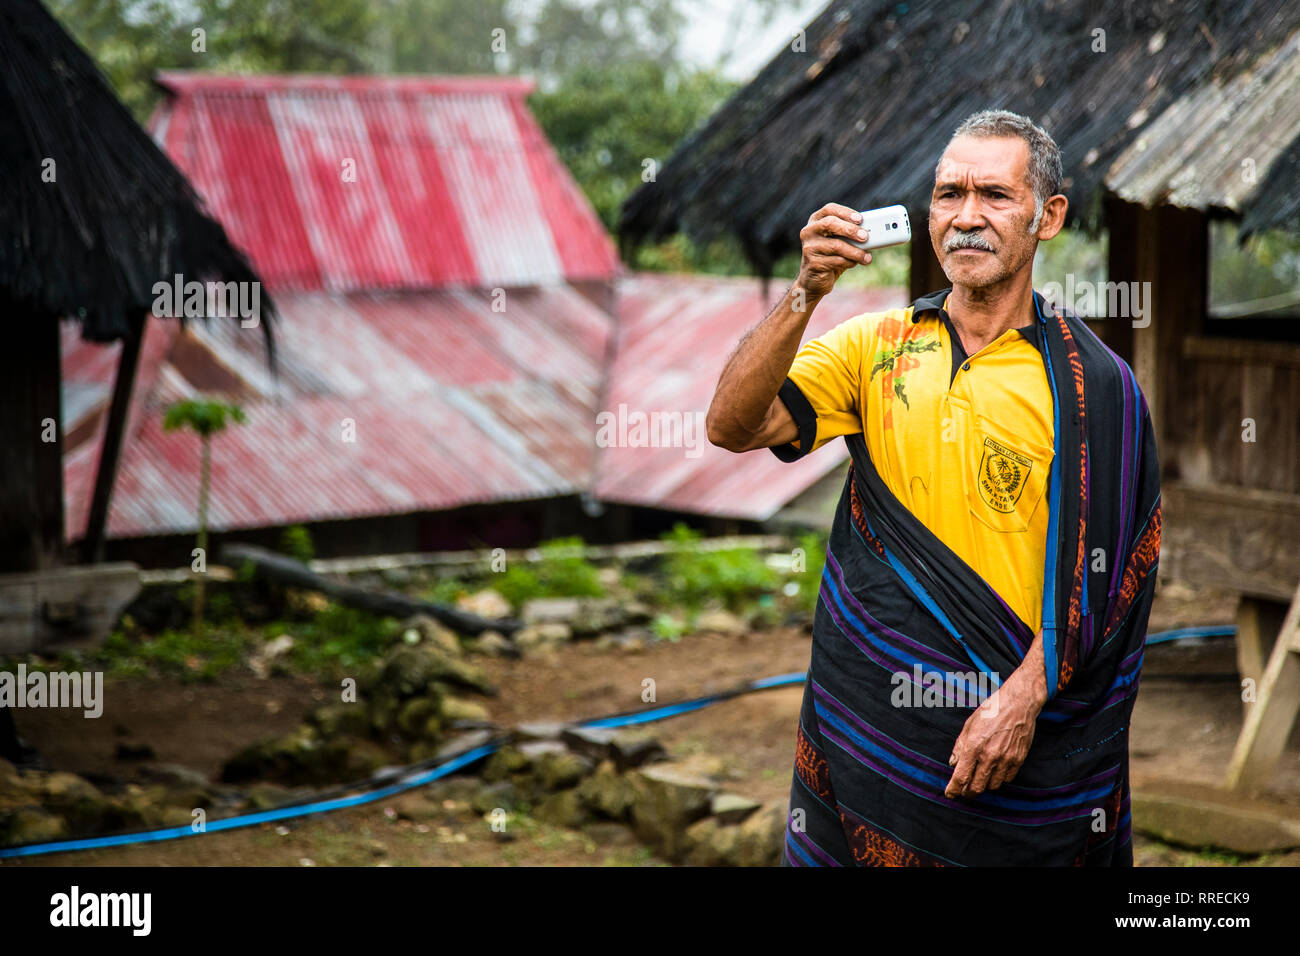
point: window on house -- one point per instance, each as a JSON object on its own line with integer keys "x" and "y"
{"x": 1255, "y": 284}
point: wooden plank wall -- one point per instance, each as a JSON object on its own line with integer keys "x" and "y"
{"x": 1231, "y": 506}
{"x": 1232, "y": 386}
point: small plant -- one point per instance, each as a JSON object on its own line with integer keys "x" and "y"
{"x": 295, "y": 541}
{"x": 809, "y": 580}
{"x": 338, "y": 639}
{"x": 204, "y": 418}
{"x": 694, "y": 576}
{"x": 560, "y": 573}
{"x": 446, "y": 591}
{"x": 667, "y": 628}
{"x": 183, "y": 655}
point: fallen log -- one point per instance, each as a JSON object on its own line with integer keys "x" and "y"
{"x": 285, "y": 570}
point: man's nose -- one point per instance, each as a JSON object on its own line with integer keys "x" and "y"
{"x": 969, "y": 215}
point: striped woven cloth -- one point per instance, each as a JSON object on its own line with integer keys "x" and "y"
{"x": 908, "y": 640}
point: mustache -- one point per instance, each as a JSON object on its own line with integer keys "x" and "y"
{"x": 967, "y": 240}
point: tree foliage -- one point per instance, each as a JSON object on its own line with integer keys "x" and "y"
{"x": 203, "y": 416}
{"x": 614, "y": 97}
{"x": 614, "y": 125}
{"x": 132, "y": 39}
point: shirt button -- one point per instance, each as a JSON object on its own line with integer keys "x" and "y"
{"x": 966, "y": 367}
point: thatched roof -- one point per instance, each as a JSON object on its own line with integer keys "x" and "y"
{"x": 118, "y": 216}
{"x": 1183, "y": 95}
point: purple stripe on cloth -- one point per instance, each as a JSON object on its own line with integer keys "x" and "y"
{"x": 1020, "y": 641}
{"x": 983, "y": 810}
{"x": 1126, "y": 490}
{"x": 925, "y": 763}
{"x": 1086, "y": 633}
{"x": 850, "y": 634}
{"x": 937, "y": 657}
{"x": 1121, "y": 688}
{"x": 807, "y": 843}
{"x": 921, "y": 761}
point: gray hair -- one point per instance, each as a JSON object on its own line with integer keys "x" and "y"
{"x": 1044, "y": 155}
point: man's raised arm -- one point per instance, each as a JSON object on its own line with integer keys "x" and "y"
{"x": 745, "y": 412}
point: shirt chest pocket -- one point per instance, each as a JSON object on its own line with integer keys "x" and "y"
{"x": 1006, "y": 476}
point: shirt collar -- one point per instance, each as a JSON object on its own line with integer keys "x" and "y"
{"x": 933, "y": 302}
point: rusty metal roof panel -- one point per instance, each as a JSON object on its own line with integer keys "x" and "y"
{"x": 434, "y": 424}
{"x": 362, "y": 183}
{"x": 450, "y": 404}
{"x": 675, "y": 334}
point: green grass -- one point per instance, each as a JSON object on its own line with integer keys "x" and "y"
{"x": 447, "y": 590}
{"x": 335, "y": 641}
{"x": 636, "y": 856}
{"x": 669, "y": 628}
{"x": 810, "y": 579}
{"x": 171, "y": 653}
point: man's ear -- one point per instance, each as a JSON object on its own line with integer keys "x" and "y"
{"x": 1054, "y": 211}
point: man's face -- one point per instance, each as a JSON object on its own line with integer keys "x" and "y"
{"x": 982, "y": 192}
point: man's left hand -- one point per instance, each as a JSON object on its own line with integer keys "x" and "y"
{"x": 996, "y": 737}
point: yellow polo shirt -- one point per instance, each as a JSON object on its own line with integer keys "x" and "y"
{"x": 965, "y": 443}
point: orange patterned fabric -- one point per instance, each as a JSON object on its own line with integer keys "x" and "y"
{"x": 1145, "y": 555}
{"x": 860, "y": 519}
{"x": 871, "y": 847}
{"x": 811, "y": 768}
{"x": 1069, "y": 650}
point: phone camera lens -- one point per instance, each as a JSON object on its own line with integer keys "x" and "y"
{"x": 895, "y": 225}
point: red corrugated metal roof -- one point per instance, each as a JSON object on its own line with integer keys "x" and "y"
{"x": 455, "y": 184}
{"x": 386, "y": 293}
{"x": 453, "y": 405}
{"x": 675, "y": 334}
{"x": 451, "y": 402}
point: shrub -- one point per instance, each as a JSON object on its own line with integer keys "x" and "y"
{"x": 295, "y": 541}
{"x": 338, "y": 639}
{"x": 557, "y": 574}
{"x": 732, "y": 576}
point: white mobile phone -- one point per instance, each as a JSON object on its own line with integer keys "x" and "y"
{"x": 885, "y": 227}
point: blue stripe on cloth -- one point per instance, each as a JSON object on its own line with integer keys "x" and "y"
{"x": 1054, "y": 511}
{"x": 852, "y": 625}
{"x": 812, "y": 854}
{"x": 923, "y": 760}
{"x": 931, "y": 786}
{"x": 923, "y": 596}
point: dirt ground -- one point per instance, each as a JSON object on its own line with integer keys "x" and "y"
{"x": 1185, "y": 723}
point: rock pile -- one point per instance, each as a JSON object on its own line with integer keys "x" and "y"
{"x": 36, "y": 806}
{"x": 549, "y": 622}
{"x": 403, "y": 707}
{"x": 577, "y": 777}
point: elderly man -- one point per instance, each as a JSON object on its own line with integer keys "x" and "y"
{"x": 980, "y": 626}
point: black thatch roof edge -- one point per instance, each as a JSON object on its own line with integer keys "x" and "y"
{"x": 879, "y": 76}
{"x": 118, "y": 217}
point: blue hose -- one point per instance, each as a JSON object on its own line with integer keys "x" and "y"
{"x": 421, "y": 777}
{"x": 1186, "y": 633}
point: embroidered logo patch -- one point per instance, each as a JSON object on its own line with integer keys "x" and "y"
{"x": 1002, "y": 476}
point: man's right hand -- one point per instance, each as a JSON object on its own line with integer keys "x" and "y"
{"x": 746, "y": 411}
{"x": 826, "y": 253}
